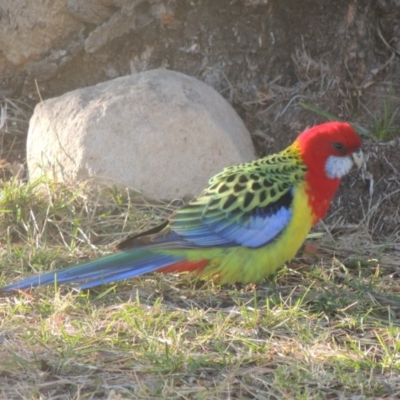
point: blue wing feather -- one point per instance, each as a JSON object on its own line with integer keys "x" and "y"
{"x": 190, "y": 229}
{"x": 260, "y": 230}
{"x": 254, "y": 228}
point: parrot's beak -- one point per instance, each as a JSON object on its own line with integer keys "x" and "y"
{"x": 358, "y": 158}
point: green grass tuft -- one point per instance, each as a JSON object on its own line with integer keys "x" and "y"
{"x": 384, "y": 126}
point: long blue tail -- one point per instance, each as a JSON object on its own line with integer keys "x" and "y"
{"x": 107, "y": 269}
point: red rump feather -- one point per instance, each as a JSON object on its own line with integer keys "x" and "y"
{"x": 184, "y": 266}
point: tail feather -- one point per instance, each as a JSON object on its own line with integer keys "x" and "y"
{"x": 175, "y": 267}
{"x": 114, "y": 267}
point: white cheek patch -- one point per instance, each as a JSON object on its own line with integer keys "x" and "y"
{"x": 337, "y": 167}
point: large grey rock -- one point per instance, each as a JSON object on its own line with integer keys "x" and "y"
{"x": 160, "y": 132}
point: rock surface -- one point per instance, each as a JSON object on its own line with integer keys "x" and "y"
{"x": 36, "y": 37}
{"x": 160, "y": 132}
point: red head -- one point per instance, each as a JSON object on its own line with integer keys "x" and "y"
{"x": 330, "y": 151}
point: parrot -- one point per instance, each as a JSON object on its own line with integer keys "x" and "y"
{"x": 251, "y": 218}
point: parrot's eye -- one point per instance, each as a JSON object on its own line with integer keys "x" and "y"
{"x": 338, "y": 146}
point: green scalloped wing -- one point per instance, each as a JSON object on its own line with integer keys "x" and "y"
{"x": 253, "y": 196}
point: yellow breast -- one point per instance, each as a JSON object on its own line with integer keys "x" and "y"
{"x": 252, "y": 265}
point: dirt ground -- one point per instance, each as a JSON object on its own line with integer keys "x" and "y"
{"x": 265, "y": 57}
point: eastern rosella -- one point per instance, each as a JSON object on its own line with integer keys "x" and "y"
{"x": 250, "y": 220}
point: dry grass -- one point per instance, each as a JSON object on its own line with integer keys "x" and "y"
{"x": 326, "y": 328}
{"x": 14, "y": 117}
